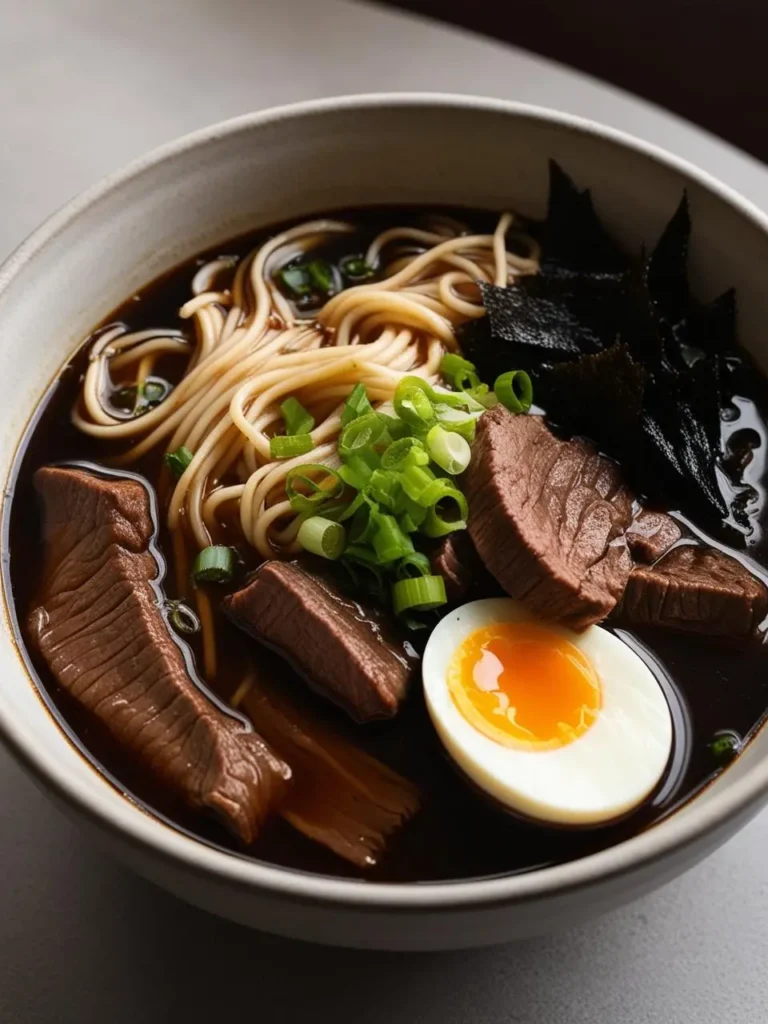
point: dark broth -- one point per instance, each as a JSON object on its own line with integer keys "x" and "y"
{"x": 458, "y": 833}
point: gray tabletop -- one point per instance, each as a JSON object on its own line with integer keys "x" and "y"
{"x": 84, "y": 86}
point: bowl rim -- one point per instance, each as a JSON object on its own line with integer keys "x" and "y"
{"x": 129, "y": 823}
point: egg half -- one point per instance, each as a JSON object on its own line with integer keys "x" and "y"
{"x": 567, "y": 728}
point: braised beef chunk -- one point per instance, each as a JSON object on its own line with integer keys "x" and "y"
{"x": 341, "y": 650}
{"x": 340, "y": 796}
{"x": 651, "y": 534}
{"x": 696, "y": 589}
{"x": 99, "y": 626}
{"x": 456, "y": 560}
{"x": 548, "y": 518}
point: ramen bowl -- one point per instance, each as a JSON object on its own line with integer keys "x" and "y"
{"x": 271, "y": 167}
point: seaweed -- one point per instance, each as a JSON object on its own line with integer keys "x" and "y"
{"x": 574, "y": 242}
{"x": 667, "y": 269}
{"x": 599, "y": 396}
{"x": 620, "y": 350}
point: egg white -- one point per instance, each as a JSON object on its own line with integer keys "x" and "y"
{"x": 600, "y": 776}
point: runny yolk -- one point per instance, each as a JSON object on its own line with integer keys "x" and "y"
{"x": 524, "y": 685}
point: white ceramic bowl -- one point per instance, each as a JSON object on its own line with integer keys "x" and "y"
{"x": 285, "y": 163}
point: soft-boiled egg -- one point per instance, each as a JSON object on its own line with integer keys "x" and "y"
{"x": 567, "y": 728}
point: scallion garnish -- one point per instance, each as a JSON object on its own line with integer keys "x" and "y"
{"x": 182, "y": 618}
{"x": 288, "y": 447}
{"x": 514, "y": 390}
{"x": 413, "y": 565}
{"x": 420, "y": 594}
{"x": 413, "y": 403}
{"x": 323, "y": 277}
{"x": 401, "y": 467}
{"x": 356, "y": 405}
{"x": 178, "y": 461}
{"x": 449, "y": 450}
{"x": 152, "y": 392}
{"x": 725, "y": 746}
{"x": 452, "y": 363}
{"x": 137, "y": 399}
{"x": 322, "y": 537}
{"x": 309, "y": 487}
{"x": 358, "y": 469}
{"x": 215, "y": 564}
{"x": 447, "y": 513}
{"x": 389, "y": 541}
{"x": 297, "y": 419}
{"x": 363, "y": 526}
{"x": 407, "y": 451}
{"x": 384, "y": 486}
{"x": 416, "y": 481}
{"x": 457, "y": 421}
{"x": 296, "y": 281}
{"x": 361, "y": 434}
{"x": 355, "y": 269}
{"x": 359, "y": 564}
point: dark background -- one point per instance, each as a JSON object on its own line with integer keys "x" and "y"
{"x": 705, "y": 60}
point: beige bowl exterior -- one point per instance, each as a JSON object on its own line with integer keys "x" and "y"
{"x": 285, "y": 163}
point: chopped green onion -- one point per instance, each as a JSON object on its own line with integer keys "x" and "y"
{"x": 457, "y": 421}
{"x": 355, "y": 269}
{"x": 356, "y": 472}
{"x": 413, "y": 565}
{"x": 287, "y": 447}
{"x": 356, "y": 405}
{"x": 725, "y": 746}
{"x": 449, "y": 450}
{"x": 364, "y": 561}
{"x": 334, "y": 510}
{"x": 453, "y": 364}
{"x": 152, "y": 391}
{"x": 322, "y": 537}
{"x": 460, "y": 372}
{"x": 437, "y": 523}
{"x": 407, "y": 524}
{"x": 389, "y": 541}
{"x": 363, "y": 525}
{"x": 514, "y": 390}
{"x": 297, "y": 419}
{"x": 360, "y": 434}
{"x": 138, "y": 399}
{"x": 407, "y": 451}
{"x": 296, "y": 280}
{"x": 413, "y": 403}
{"x": 396, "y": 428}
{"x": 182, "y": 618}
{"x": 215, "y": 564}
{"x": 384, "y": 486}
{"x": 361, "y": 553}
{"x": 306, "y": 494}
{"x": 415, "y": 481}
{"x": 416, "y": 513}
{"x": 323, "y": 277}
{"x": 421, "y": 594}
{"x": 178, "y": 461}
{"x": 349, "y": 510}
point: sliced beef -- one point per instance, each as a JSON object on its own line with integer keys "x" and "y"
{"x": 548, "y": 518}
{"x": 99, "y": 625}
{"x": 698, "y": 590}
{"x": 651, "y": 534}
{"x": 341, "y": 650}
{"x": 340, "y": 796}
{"x": 456, "y": 560}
